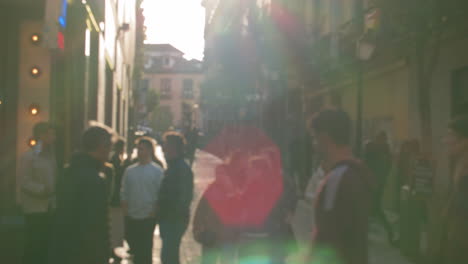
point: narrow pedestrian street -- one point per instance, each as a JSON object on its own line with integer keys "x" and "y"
{"x": 380, "y": 251}
{"x": 274, "y": 91}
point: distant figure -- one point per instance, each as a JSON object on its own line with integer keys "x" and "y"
{"x": 301, "y": 160}
{"x": 155, "y": 158}
{"x": 409, "y": 151}
{"x": 279, "y": 224}
{"x": 139, "y": 194}
{"x": 116, "y": 215}
{"x": 118, "y": 162}
{"x": 81, "y": 229}
{"x": 342, "y": 203}
{"x": 379, "y": 160}
{"x": 175, "y": 197}
{"x": 130, "y": 159}
{"x": 455, "y": 242}
{"x": 192, "y": 144}
{"x": 109, "y": 171}
{"x": 38, "y": 175}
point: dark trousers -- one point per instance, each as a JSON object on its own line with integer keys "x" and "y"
{"x": 37, "y": 238}
{"x": 380, "y": 216}
{"x": 140, "y": 238}
{"x": 171, "y": 236}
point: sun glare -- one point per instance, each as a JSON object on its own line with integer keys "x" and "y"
{"x": 177, "y": 22}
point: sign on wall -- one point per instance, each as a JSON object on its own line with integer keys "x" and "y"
{"x": 55, "y": 22}
{"x": 422, "y": 177}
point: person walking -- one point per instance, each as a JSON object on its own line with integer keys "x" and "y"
{"x": 192, "y": 143}
{"x": 117, "y": 161}
{"x": 455, "y": 243}
{"x": 175, "y": 197}
{"x": 409, "y": 152}
{"x": 38, "y": 173}
{"x": 140, "y": 187}
{"x": 343, "y": 199}
{"x": 81, "y": 228}
{"x": 116, "y": 213}
{"x": 279, "y": 224}
{"x": 378, "y": 159}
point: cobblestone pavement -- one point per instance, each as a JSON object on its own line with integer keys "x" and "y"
{"x": 380, "y": 251}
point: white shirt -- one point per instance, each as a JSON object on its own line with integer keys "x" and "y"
{"x": 314, "y": 183}
{"x": 140, "y": 187}
{"x": 38, "y": 171}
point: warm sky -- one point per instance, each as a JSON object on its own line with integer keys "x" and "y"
{"x": 177, "y": 22}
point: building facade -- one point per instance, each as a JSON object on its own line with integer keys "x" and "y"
{"x": 324, "y": 68}
{"x": 70, "y": 63}
{"x": 377, "y": 60}
{"x": 177, "y": 82}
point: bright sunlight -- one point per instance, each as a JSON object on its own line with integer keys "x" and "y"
{"x": 177, "y": 22}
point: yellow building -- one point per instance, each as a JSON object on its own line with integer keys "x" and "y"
{"x": 390, "y": 97}
{"x": 177, "y": 81}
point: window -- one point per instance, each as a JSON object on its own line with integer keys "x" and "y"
{"x": 166, "y": 89}
{"x": 167, "y": 61}
{"x": 144, "y": 85}
{"x": 188, "y": 89}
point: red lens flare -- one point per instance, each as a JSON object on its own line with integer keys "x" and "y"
{"x": 249, "y": 182}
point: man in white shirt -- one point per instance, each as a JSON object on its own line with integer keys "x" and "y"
{"x": 38, "y": 176}
{"x": 140, "y": 187}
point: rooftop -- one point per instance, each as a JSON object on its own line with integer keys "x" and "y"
{"x": 162, "y": 48}
{"x": 180, "y": 65}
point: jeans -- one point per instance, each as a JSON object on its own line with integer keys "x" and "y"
{"x": 37, "y": 238}
{"x": 172, "y": 232}
{"x": 140, "y": 238}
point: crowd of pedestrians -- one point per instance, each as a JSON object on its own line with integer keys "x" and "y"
{"x": 82, "y": 213}
{"x": 99, "y": 200}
